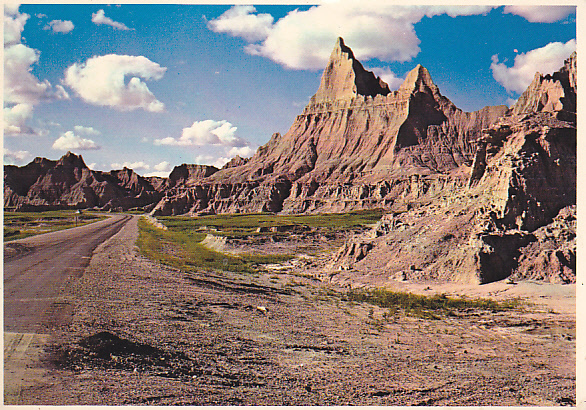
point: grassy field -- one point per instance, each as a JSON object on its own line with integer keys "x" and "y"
{"x": 247, "y": 224}
{"x": 180, "y": 246}
{"x": 19, "y": 225}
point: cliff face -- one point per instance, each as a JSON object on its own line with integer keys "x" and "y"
{"x": 69, "y": 183}
{"x": 353, "y": 139}
{"x": 515, "y": 215}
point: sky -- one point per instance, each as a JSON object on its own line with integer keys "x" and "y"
{"x": 151, "y": 86}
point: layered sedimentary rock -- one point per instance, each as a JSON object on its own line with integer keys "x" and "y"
{"x": 69, "y": 183}
{"x": 514, "y": 216}
{"x": 356, "y": 145}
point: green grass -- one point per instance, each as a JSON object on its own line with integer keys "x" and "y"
{"x": 181, "y": 248}
{"x": 432, "y": 307}
{"x": 247, "y": 224}
{"x": 18, "y": 225}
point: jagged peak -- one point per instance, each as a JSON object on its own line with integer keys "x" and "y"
{"x": 340, "y": 49}
{"x": 417, "y": 78}
{"x": 72, "y": 159}
{"x": 344, "y": 78}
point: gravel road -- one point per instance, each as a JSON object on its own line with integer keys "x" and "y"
{"x": 142, "y": 333}
{"x": 37, "y": 270}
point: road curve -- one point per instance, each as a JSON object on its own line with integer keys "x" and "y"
{"x": 36, "y": 269}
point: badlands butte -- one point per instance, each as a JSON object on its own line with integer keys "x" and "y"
{"x": 470, "y": 197}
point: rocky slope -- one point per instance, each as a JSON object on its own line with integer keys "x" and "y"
{"x": 474, "y": 197}
{"x": 69, "y": 183}
{"x": 356, "y": 145}
{"x": 515, "y": 216}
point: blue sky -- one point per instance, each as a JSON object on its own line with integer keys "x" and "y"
{"x": 154, "y": 86}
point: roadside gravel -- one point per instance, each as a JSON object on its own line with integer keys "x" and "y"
{"x": 142, "y": 333}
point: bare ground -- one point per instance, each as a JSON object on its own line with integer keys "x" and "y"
{"x": 142, "y": 333}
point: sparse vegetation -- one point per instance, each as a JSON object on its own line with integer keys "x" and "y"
{"x": 18, "y": 225}
{"x": 247, "y": 224}
{"x": 181, "y": 248}
{"x": 432, "y": 307}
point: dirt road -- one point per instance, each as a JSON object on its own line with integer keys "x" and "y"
{"x": 36, "y": 272}
{"x": 142, "y": 333}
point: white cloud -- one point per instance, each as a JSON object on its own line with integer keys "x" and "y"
{"x": 207, "y": 132}
{"x": 86, "y": 130}
{"x": 162, "y": 166}
{"x": 41, "y": 15}
{"x": 131, "y": 165}
{"x": 240, "y": 22}
{"x": 101, "y": 81}
{"x": 545, "y": 60}
{"x": 220, "y": 162}
{"x": 243, "y": 152}
{"x": 92, "y": 165}
{"x": 13, "y": 24}
{"x": 160, "y": 174}
{"x": 99, "y": 17}
{"x": 203, "y": 159}
{"x": 541, "y": 14}
{"x": 15, "y": 119}
{"x": 69, "y": 141}
{"x": 20, "y": 85}
{"x": 162, "y": 170}
{"x": 304, "y": 39}
{"x": 60, "y": 26}
{"x": 388, "y": 77}
{"x": 16, "y": 157}
{"x": 22, "y": 90}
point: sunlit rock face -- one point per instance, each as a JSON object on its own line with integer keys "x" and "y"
{"x": 354, "y": 146}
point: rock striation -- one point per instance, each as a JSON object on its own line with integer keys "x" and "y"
{"x": 470, "y": 196}
{"x": 515, "y": 215}
{"x": 356, "y": 145}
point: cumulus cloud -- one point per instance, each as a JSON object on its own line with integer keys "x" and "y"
{"x": 101, "y": 81}
{"x": 69, "y": 141}
{"x": 20, "y": 85}
{"x": 207, "y": 132}
{"x": 86, "y": 130}
{"x": 243, "y": 152}
{"x": 220, "y": 162}
{"x": 388, "y": 77}
{"x": 541, "y": 14}
{"x": 60, "y": 26}
{"x": 99, "y": 18}
{"x": 131, "y": 165}
{"x": 15, "y": 118}
{"x": 162, "y": 166}
{"x": 545, "y": 60}
{"x": 203, "y": 159}
{"x": 162, "y": 170}
{"x": 240, "y": 22}
{"x": 14, "y": 22}
{"x": 304, "y": 39}
{"x": 22, "y": 89}
{"x": 16, "y": 157}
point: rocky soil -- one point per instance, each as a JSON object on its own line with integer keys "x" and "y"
{"x": 142, "y": 333}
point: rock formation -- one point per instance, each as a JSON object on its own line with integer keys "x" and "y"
{"x": 69, "y": 183}
{"x": 514, "y": 216}
{"x": 356, "y": 145}
{"x": 472, "y": 197}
